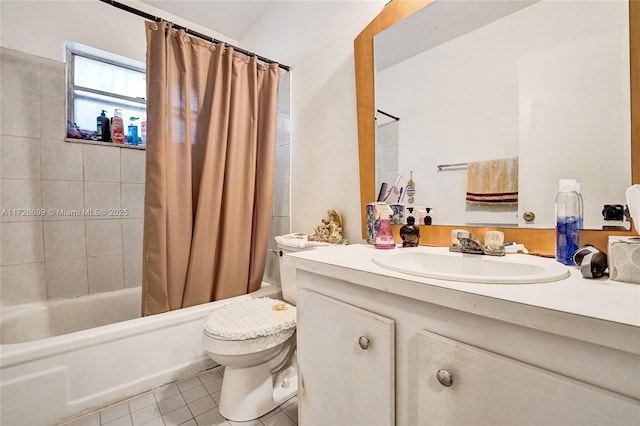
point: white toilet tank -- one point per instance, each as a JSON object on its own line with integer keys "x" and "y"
{"x": 288, "y": 274}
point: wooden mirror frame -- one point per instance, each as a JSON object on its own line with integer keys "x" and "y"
{"x": 541, "y": 241}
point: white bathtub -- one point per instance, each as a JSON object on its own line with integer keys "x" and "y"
{"x": 45, "y": 381}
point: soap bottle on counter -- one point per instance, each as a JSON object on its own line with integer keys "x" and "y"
{"x": 567, "y": 221}
{"x": 384, "y": 238}
{"x": 117, "y": 127}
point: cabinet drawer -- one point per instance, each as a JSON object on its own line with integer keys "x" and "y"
{"x": 483, "y": 388}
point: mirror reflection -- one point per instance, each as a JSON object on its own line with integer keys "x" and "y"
{"x": 482, "y": 83}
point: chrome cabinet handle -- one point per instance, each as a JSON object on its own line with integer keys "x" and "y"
{"x": 363, "y": 342}
{"x": 445, "y": 377}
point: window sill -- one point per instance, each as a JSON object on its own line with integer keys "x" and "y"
{"x": 92, "y": 142}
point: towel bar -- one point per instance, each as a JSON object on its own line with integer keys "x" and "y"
{"x": 446, "y": 166}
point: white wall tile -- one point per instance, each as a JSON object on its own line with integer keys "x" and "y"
{"x": 132, "y": 234}
{"x": 101, "y": 196}
{"x": 52, "y": 80}
{"x": 62, "y": 195}
{"x": 61, "y": 160}
{"x": 25, "y": 196}
{"x": 133, "y": 199}
{"x": 66, "y": 278}
{"x": 133, "y": 270}
{"x": 132, "y": 165}
{"x": 19, "y": 116}
{"x": 19, "y": 73}
{"x": 20, "y": 158}
{"x": 53, "y": 121}
{"x": 104, "y": 237}
{"x": 23, "y": 283}
{"x": 105, "y": 273}
{"x": 64, "y": 239}
{"x": 279, "y": 226}
{"x": 281, "y": 199}
{"x": 21, "y": 242}
{"x": 101, "y": 163}
{"x": 282, "y": 171}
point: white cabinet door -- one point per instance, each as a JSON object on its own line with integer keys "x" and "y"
{"x": 346, "y": 364}
{"x": 489, "y": 389}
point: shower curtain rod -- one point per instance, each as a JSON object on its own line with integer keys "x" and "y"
{"x": 154, "y": 18}
{"x": 388, "y": 115}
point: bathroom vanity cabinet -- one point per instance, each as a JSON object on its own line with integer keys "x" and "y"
{"x": 377, "y": 347}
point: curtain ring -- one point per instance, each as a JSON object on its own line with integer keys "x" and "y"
{"x": 186, "y": 39}
{"x": 154, "y": 26}
{"x": 212, "y": 47}
{"x": 247, "y": 59}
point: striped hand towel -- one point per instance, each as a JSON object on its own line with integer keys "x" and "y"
{"x": 493, "y": 182}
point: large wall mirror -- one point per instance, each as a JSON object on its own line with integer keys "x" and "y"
{"x": 551, "y": 83}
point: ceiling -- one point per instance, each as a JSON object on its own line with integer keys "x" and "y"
{"x": 230, "y": 18}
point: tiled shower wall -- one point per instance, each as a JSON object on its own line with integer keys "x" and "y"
{"x": 281, "y": 216}
{"x": 55, "y": 256}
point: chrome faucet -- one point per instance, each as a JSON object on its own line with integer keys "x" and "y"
{"x": 471, "y": 245}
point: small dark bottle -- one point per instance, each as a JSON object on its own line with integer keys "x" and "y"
{"x": 410, "y": 233}
{"x": 103, "y": 127}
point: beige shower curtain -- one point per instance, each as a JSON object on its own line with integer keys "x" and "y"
{"x": 211, "y": 118}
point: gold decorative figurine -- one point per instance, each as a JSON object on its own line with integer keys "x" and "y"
{"x": 330, "y": 230}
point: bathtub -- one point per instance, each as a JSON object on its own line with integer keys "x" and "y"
{"x": 49, "y": 379}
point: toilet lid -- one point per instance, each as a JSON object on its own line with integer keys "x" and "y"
{"x": 251, "y": 318}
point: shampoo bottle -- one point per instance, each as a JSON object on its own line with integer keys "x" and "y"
{"x": 132, "y": 131}
{"x": 103, "y": 128}
{"x": 117, "y": 127}
{"x": 384, "y": 238}
{"x": 567, "y": 221}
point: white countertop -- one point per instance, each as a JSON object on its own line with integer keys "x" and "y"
{"x": 598, "y": 310}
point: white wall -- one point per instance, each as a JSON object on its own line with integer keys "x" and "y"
{"x": 40, "y": 27}
{"x": 316, "y": 39}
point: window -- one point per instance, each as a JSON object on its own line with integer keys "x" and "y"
{"x": 98, "y": 82}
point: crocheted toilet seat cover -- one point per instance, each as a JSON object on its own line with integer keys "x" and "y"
{"x": 251, "y": 318}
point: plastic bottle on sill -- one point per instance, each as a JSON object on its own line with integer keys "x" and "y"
{"x": 132, "y": 131}
{"x": 117, "y": 127}
{"x": 103, "y": 128}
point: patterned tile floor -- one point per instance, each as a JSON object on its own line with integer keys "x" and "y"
{"x": 188, "y": 402}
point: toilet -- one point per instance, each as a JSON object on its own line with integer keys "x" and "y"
{"x": 255, "y": 340}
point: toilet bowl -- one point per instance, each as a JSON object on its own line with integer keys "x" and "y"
{"x": 255, "y": 340}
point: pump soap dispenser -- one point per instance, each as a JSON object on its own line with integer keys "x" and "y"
{"x": 103, "y": 127}
{"x": 384, "y": 238}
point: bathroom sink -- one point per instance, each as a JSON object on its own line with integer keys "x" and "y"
{"x": 444, "y": 265}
